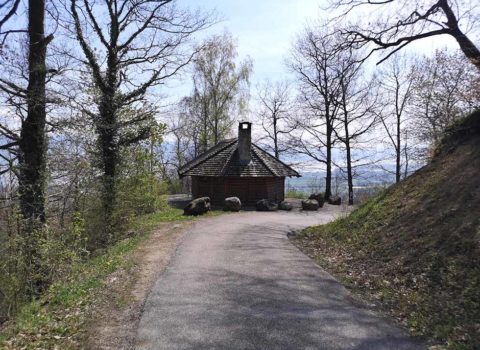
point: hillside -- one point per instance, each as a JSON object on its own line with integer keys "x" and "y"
{"x": 415, "y": 248}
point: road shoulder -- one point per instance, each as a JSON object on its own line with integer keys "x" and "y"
{"x": 115, "y": 319}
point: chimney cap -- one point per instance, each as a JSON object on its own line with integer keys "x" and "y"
{"x": 244, "y": 125}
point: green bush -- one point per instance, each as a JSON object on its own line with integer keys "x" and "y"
{"x": 33, "y": 258}
{"x": 140, "y": 194}
{"x": 138, "y": 186}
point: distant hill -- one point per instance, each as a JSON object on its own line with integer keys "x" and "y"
{"x": 416, "y": 247}
{"x": 314, "y": 181}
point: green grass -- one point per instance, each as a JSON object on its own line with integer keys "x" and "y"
{"x": 368, "y": 216}
{"x": 294, "y": 193}
{"x": 415, "y": 248}
{"x": 412, "y": 248}
{"x": 166, "y": 214}
{"x": 58, "y": 318}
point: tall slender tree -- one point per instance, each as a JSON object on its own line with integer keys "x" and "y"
{"x": 357, "y": 111}
{"x": 221, "y": 87}
{"x": 275, "y": 112}
{"x": 397, "y": 86}
{"x": 313, "y": 62}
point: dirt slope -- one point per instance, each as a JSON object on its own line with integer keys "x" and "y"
{"x": 416, "y": 247}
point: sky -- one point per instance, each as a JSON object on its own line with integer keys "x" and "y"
{"x": 264, "y": 29}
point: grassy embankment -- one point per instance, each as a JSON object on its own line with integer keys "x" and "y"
{"x": 415, "y": 248}
{"x": 58, "y": 320}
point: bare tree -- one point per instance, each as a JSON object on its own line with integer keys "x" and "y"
{"x": 313, "y": 60}
{"x": 184, "y": 132}
{"x": 138, "y": 45}
{"x": 446, "y": 89}
{"x": 397, "y": 85}
{"x": 402, "y": 22}
{"x": 71, "y": 179}
{"x": 8, "y": 9}
{"x": 357, "y": 110}
{"x": 275, "y": 112}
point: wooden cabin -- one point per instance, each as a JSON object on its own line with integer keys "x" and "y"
{"x": 238, "y": 168}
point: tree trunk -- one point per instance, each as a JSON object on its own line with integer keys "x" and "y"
{"x": 275, "y": 137}
{"x": 109, "y": 158}
{"x": 204, "y": 141}
{"x": 215, "y": 130}
{"x": 108, "y": 142}
{"x": 398, "y": 151}
{"x": 466, "y": 45}
{"x": 32, "y": 158}
{"x": 349, "y": 162}
{"x": 468, "y": 48}
{"x": 328, "y": 178}
{"x": 405, "y": 153}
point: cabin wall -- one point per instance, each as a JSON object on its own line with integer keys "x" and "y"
{"x": 248, "y": 189}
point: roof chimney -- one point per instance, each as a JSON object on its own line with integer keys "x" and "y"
{"x": 244, "y": 142}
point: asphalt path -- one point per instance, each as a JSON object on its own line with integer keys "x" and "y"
{"x": 236, "y": 282}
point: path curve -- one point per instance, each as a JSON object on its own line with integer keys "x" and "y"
{"x": 236, "y": 282}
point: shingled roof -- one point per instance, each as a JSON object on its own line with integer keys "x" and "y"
{"x": 223, "y": 160}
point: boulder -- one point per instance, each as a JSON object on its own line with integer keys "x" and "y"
{"x": 310, "y": 204}
{"x": 232, "y": 204}
{"x": 266, "y": 205}
{"x": 284, "y": 205}
{"x": 319, "y": 197}
{"x": 292, "y": 233}
{"x": 198, "y": 206}
{"x": 335, "y": 200}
